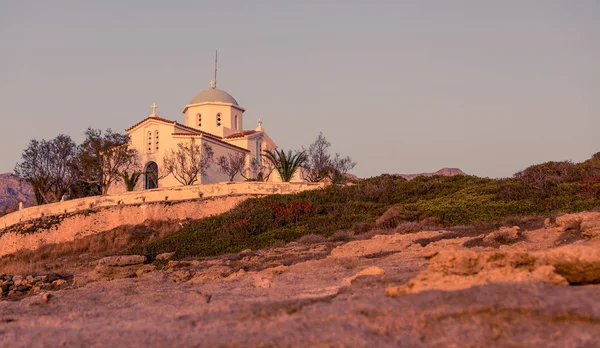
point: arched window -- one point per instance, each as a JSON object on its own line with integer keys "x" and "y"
{"x": 156, "y": 139}
{"x": 219, "y": 119}
{"x": 199, "y": 117}
{"x": 236, "y": 125}
{"x": 151, "y": 176}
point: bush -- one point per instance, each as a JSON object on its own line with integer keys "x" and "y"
{"x": 408, "y": 206}
{"x": 311, "y": 239}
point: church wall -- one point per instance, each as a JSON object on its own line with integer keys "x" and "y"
{"x": 149, "y": 152}
{"x": 213, "y": 174}
{"x": 209, "y": 118}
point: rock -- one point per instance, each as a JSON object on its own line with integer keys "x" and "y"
{"x": 211, "y": 274}
{"x": 22, "y": 288}
{"x": 17, "y": 280}
{"x": 590, "y": 228}
{"x": 181, "y": 275}
{"x": 263, "y": 281}
{"x": 547, "y": 222}
{"x": 371, "y": 271}
{"x": 276, "y": 270}
{"x": 578, "y": 264}
{"x": 164, "y": 256}
{"x": 461, "y": 269}
{"x": 50, "y": 277}
{"x": 45, "y": 297}
{"x": 578, "y": 221}
{"x": 504, "y": 235}
{"x": 108, "y": 272}
{"x": 377, "y": 245}
{"x": 144, "y": 270}
{"x": 58, "y": 283}
{"x": 122, "y": 260}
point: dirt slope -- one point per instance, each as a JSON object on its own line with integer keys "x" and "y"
{"x": 519, "y": 288}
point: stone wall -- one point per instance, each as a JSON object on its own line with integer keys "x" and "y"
{"x": 33, "y": 227}
{"x": 178, "y": 193}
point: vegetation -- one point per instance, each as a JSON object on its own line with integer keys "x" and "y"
{"x": 58, "y": 168}
{"x": 320, "y": 164}
{"x": 232, "y": 164}
{"x": 50, "y": 166}
{"x": 188, "y": 162}
{"x": 445, "y": 201}
{"x": 130, "y": 180}
{"x": 286, "y": 165}
{"x": 104, "y": 157}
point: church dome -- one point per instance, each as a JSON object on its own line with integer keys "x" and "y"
{"x": 214, "y": 95}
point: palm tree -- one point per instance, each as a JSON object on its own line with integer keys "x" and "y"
{"x": 286, "y": 164}
{"x": 130, "y": 180}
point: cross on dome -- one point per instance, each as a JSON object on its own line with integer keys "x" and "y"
{"x": 213, "y": 84}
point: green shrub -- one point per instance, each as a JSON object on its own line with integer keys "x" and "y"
{"x": 449, "y": 201}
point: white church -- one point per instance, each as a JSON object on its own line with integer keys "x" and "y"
{"x": 212, "y": 117}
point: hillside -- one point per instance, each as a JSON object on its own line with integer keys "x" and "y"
{"x": 443, "y": 172}
{"x": 12, "y": 191}
{"x": 433, "y": 261}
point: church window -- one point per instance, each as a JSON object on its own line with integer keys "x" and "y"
{"x": 156, "y": 140}
{"x": 149, "y": 142}
{"x": 236, "y": 122}
{"x": 219, "y": 119}
{"x": 199, "y": 120}
{"x": 259, "y": 151}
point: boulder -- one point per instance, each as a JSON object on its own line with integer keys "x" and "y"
{"x": 371, "y": 271}
{"x": 122, "y": 260}
{"x": 144, "y": 270}
{"x": 504, "y": 235}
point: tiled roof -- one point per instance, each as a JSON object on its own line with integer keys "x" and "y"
{"x": 241, "y": 134}
{"x": 193, "y": 131}
{"x": 212, "y": 137}
{"x": 156, "y": 118}
{"x": 176, "y": 124}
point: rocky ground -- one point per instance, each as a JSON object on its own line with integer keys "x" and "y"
{"x": 510, "y": 287}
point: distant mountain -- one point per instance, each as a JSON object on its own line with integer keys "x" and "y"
{"x": 12, "y": 191}
{"x": 443, "y": 171}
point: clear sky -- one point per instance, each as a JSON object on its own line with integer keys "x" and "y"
{"x": 401, "y": 86}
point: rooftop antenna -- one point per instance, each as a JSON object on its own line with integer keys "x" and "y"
{"x": 216, "y": 52}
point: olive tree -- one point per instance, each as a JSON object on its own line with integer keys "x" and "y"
{"x": 188, "y": 162}
{"x": 50, "y": 166}
{"x": 104, "y": 157}
{"x": 232, "y": 164}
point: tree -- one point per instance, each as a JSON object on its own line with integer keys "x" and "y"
{"x": 232, "y": 164}
{"x": 318, "y": 161}
{"x": 286, "y": 165}
{"x": 340, "y": 167}
{"x": 105, "y": 156}
{"x": 320, "y": 164}
{"x": 130, "y": 180}
{"x": 258, "y": 170}
{"x": 188, "y": 162}
{"x": 50, "y": 167}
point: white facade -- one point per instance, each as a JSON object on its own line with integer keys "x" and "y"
{"x": 212, "y": 117}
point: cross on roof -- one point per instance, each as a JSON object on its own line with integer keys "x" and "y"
{"x": 154, "y": 106}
